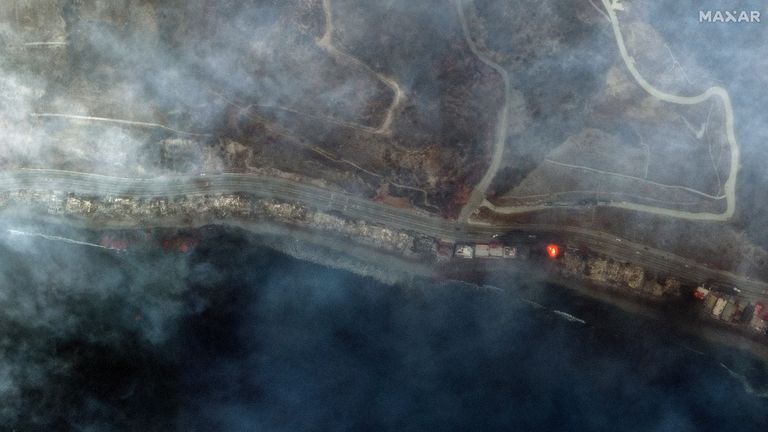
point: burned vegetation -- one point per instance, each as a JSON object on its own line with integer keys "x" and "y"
{"x": 382, "y": 100}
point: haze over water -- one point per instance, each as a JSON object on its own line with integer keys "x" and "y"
{"x": 236, "y": 337}
{"x": 303, "y": 347}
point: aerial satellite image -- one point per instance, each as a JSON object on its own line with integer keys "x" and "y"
{"x": 383, "y": 215}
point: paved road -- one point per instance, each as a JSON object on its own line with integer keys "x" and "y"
{"x": 361, "y": 208}
{"x": 477, "y": 198}
{"x": 712, "y": 92}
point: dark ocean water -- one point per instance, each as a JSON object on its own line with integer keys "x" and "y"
{"x": 236, "y": 337}
{"x": 294, "y": 346}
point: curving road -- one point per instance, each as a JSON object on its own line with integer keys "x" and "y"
{"x": 712, "y": 92}
{"x": 361, "y": 208}
{"x": 477, "y": 196}
{"x": 398, "y": 95}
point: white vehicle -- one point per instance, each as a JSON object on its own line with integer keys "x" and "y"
{"x": 719, "y": 306}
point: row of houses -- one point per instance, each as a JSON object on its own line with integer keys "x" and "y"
{"x": 489, "y": 250}
{"x": 733, "y": 310}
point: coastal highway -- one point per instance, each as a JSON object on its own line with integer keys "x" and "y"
{"x": 370, "y": 211}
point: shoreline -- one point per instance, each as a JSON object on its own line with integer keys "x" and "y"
{"x": 391, "y": 268}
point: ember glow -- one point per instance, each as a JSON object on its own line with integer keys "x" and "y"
{"x": 553, "y": 251}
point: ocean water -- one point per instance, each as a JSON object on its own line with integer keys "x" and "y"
{"x": 295, "y": 346}
{"x": 235, "y": 337}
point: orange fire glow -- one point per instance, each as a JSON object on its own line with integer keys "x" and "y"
{"x": 553, "y": 251}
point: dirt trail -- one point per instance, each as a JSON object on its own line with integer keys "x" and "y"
{"x": 326, "y": 43}
{"x": 502, "y": 125}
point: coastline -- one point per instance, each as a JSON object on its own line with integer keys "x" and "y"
{"x": 391, "y": 268}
